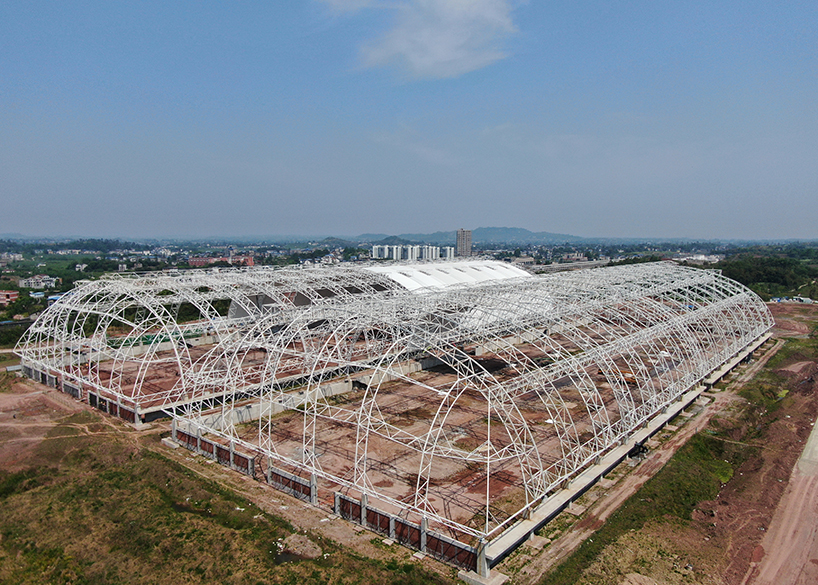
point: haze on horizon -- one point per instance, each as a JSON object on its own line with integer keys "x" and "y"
{"x": 598, "y": 119}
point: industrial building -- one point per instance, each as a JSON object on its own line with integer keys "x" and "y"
{"x": 445, "y": 405}
{"x": 8, "y": 296}
{"x": 133, "y": 342}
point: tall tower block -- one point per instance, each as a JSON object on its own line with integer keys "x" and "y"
{"x": 463, "y": 242}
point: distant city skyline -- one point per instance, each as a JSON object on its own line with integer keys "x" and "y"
{"x": 636, "y": 120}
{"x": 439, "y": 238}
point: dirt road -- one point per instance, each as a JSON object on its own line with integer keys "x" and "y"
{"x": 788, "y": 555}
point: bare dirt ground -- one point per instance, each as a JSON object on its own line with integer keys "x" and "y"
{"x": 739, "y": 519}
{"x": 27, "y": 414}
{"x": 792, "y": 319}
{"x": 531, "y": 565}
{"x": 789, "y": 551}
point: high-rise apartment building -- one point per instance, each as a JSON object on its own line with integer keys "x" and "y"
{"x": 463, "y": 242}
{"x": 411, "y": 253}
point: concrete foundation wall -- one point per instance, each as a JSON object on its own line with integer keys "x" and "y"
{"x": 410, "y": 534}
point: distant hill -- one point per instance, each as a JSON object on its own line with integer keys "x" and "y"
{"x": 486, "y": 235}
{"x": 494, "y": 235}
{"x": 372, "y": 237}
{"x": 336, "y": 243}
{"x": 440, "y": 238}
{"x": 394, "y": 241}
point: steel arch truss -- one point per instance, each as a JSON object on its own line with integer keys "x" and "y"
{"x": 137, "y": 340}
{"x": 465, "y": 406}
{"x": 469, "y": 406}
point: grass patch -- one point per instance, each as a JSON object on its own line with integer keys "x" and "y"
{"x": 694, "y": 474}
{"x": 698, "y": 470}
{"x": 6, "y": 381}
{"x": 99, "y": 509}
{"x": 82, "y": 418}
{"x": 11, "y": 483}
{"x": 795, "y": 350}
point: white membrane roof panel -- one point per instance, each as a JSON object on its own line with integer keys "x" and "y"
{"x": 444, "y": 274}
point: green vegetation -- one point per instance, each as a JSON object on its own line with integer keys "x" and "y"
{"x": 10, "y": 335}
{"x": 699, "y": 469}
{"x": 103, "y": 509}
{"x": 24, "y": 305}
{"x": 774, "y": 275}
{"x": 101, "y": 245}
{"x": 639, "y": 260}
{"x": 768, "y": 389}
{"x": 294, "y": 258}
{"x": 694, "y": 474}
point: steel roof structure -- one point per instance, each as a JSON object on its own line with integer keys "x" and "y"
{"x": 113, "y": 335}
{"x": 462, "y": 407}
{"x": 437, "y": 275}
{"x": 553, "y": 371}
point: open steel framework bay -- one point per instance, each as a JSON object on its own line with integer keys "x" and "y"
{"x": 438, "y": 403}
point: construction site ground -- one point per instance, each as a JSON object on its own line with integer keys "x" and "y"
{"x": 742, "y": 535}
{"x": 762, "y": 525}
{"x": 86, "y": 498}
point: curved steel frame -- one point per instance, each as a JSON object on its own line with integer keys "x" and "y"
{"x": 554, "y": 370}
{"x": 130, "y": 323}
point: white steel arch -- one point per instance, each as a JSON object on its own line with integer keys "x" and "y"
{"x": 470, "y": 405}
{"x": 465, "y": 405}
{"x": 113, "y": 336}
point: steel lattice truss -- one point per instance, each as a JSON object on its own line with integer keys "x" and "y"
{"x": 466, "y": 406}
{"x": 122, "y": 336}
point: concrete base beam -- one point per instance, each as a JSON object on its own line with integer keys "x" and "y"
{"x": 472, "y": 578}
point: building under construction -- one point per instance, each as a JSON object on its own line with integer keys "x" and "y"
{"x": 444, "y": 405}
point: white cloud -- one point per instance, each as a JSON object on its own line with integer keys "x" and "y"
{"x": 441, "y": 38}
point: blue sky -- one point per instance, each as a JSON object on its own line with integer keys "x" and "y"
{"x": 624, "y": 119}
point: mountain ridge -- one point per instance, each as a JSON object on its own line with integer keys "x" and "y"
{"x": 482, "y": 235}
